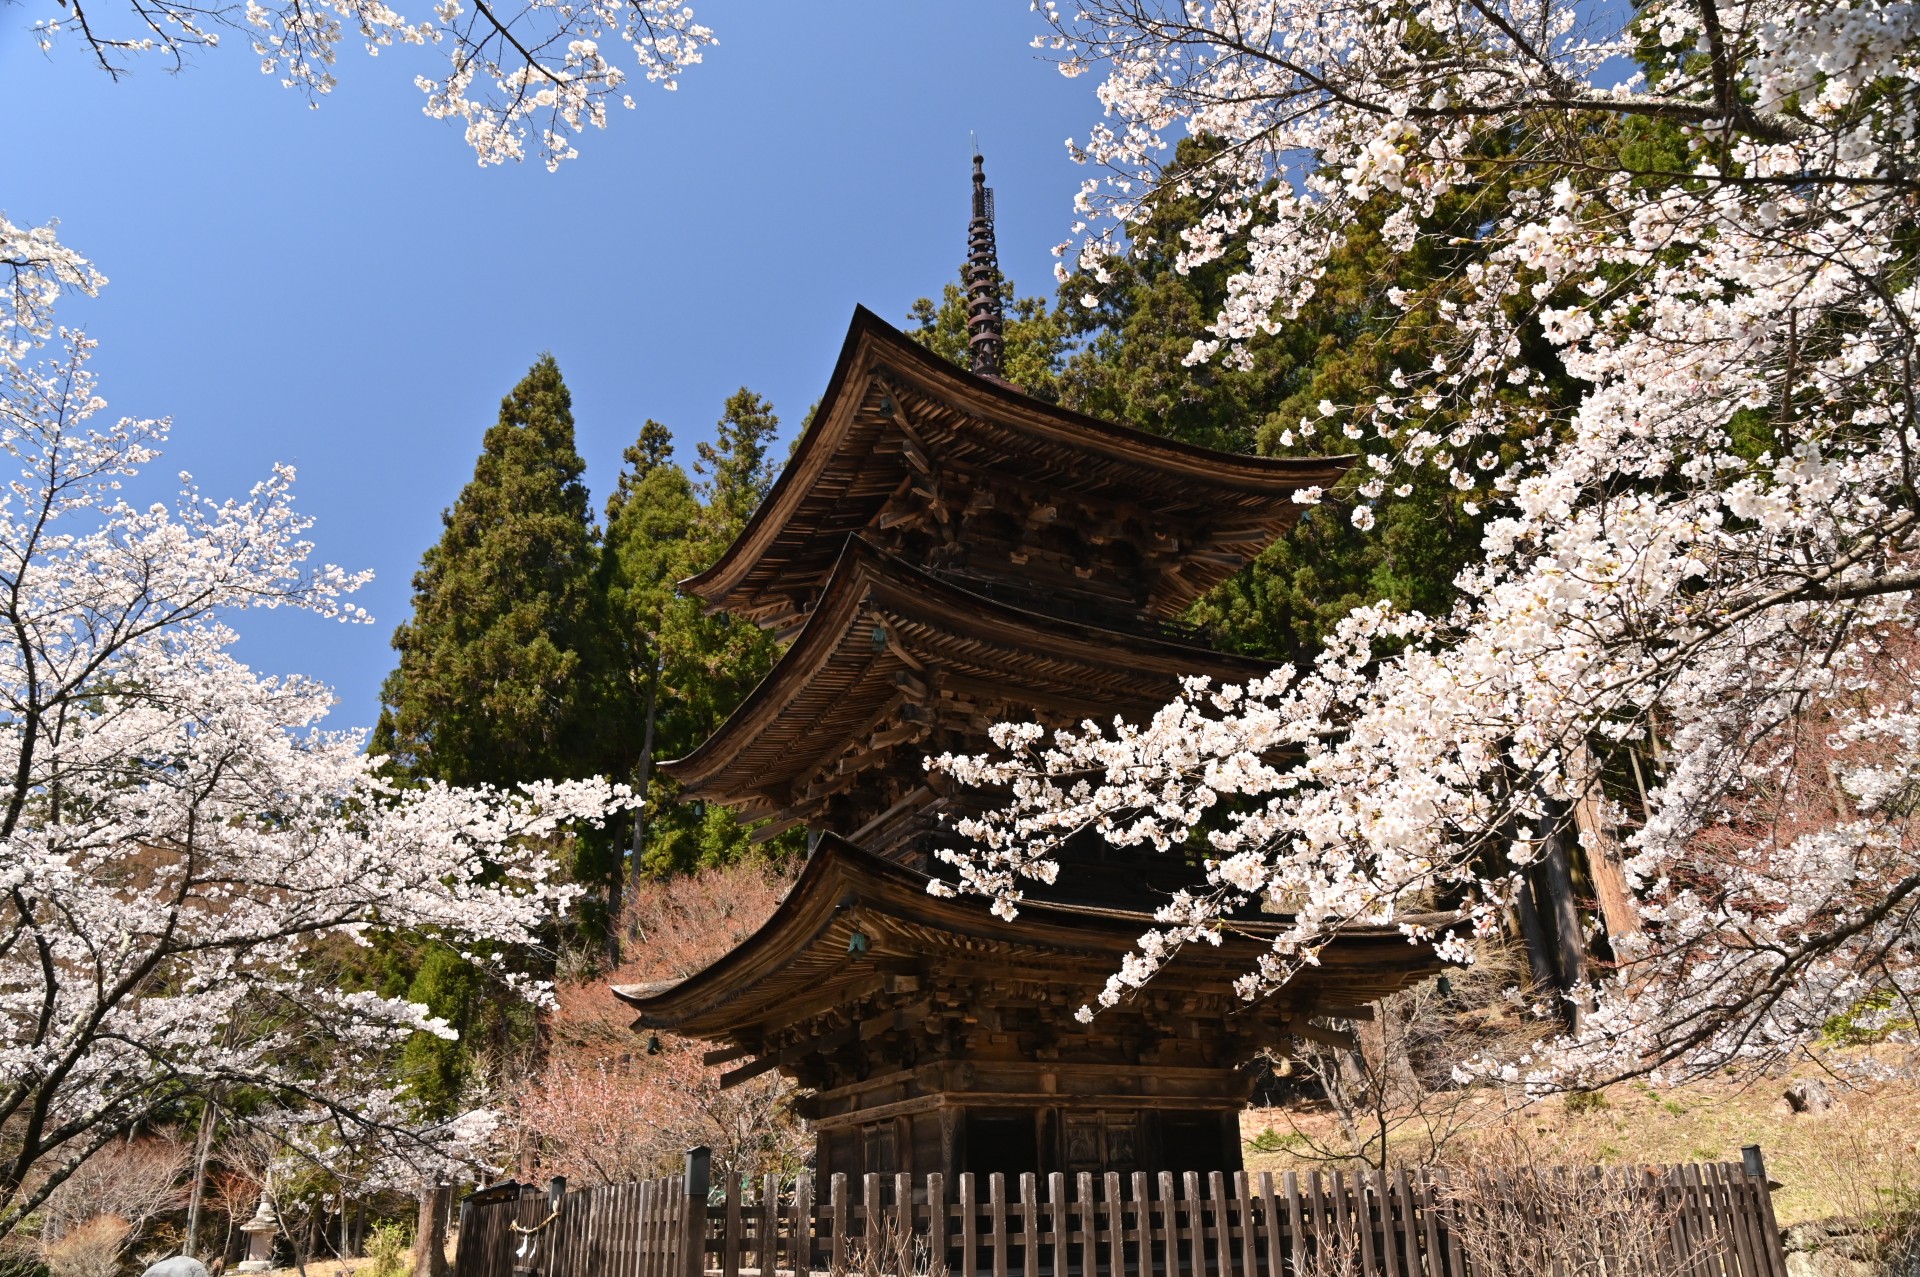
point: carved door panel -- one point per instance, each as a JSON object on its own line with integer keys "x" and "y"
{"x": 1083, "y": 1144}
{"x": 1101, "y": 1141}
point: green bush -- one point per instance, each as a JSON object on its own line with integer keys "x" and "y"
{"x": 387, "y": 1247}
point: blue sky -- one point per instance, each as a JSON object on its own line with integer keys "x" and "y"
{"x": 345, "y": 290}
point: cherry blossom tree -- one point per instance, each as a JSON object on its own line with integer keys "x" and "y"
{"x": 1704, "y": 551}
{"x": 536, "y": 72}
{"x": 185, "y": 852}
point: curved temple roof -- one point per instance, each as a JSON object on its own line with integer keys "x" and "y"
{"x": 853, "y": 458}
{"x": 803, "y": 959}
{"x": 879, "y": 619}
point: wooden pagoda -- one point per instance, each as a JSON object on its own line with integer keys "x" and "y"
{"x": 945, "y": 552}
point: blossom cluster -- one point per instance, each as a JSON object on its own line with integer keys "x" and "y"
{"x": 1701, "y": 554}
{"x": 186, "y": 852}
{"x": 538, "y": 73}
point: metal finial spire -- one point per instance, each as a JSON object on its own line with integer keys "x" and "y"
{"x": 986, "y": 322}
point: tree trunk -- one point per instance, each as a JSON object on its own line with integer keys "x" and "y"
{"x": 202, "y": 1147}
{"x": 1533, "y": 934}
{"x": 430, "y": 1237}
{"x": 1618, "y": 909}
{"x": 643, "y": 775}
{"x": 1555, "y": 873}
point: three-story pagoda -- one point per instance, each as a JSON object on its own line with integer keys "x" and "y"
{"x": 945, "y": 552}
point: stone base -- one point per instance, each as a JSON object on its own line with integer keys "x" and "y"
{"x": 1849, "y": 1248}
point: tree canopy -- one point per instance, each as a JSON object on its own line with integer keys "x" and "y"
{"x": 693, "y": 668}
{"x": 503, "y": 665}
{"x": 1663, "y": 354}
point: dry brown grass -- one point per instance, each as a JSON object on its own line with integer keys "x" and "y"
{"x": 1700, "y": 1122}
{"x": 891, "y": 1251}
{"x": 90, "y": 1248}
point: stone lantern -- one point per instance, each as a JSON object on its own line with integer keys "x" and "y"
{"x": 260, "y": 1231}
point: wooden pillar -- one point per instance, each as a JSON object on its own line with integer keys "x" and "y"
{"x": 693, "y": 1239}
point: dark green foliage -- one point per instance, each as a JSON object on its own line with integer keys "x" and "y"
{"x": 535, "y": 648}
{"x": 502, "y": 670}
{"x": 652, "y": 518}
{"x": 1035, "y": 337}
{"x": 735, "y": 465}
{"x": 1141, "y": 326}
{"x": 1343, "y": 347}
{"x": 661, "y": 528}
{"x": 436, "y": 1069}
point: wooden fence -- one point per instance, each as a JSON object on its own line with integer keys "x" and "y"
{"x": 1713, "y": 1220}
{"x": 628, "y": 1230}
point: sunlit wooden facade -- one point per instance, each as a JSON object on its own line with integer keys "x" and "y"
{"x": 944, "y": 552}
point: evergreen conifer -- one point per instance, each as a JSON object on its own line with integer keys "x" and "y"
{"x": 502, "y": 668}
{"x": 1036, "y": 337}
{"x": 690, "y": 667}
{"x": 502, "y": 677}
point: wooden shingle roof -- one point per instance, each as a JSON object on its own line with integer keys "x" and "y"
{"x": 804, "y": 958}
{"x": 890, "y": 396}
{"x": 880, "y": 624}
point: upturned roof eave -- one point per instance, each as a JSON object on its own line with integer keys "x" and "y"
{"x": 813, "y": 453}
{"x": 860, "y": 570}
{"x": 842, "y": 881}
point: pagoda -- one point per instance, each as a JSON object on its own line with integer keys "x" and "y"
{"x": 944, "y": 552}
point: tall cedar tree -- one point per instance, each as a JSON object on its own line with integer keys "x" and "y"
{"x": 663, "y": 526}
{"x": 502, "y": 678}
{"x": 502, "y": 667}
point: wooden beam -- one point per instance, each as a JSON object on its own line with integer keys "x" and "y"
{"x": 747, "y": 1072}
{"x": 899, "y": 649}
{"x": 913, "y": 799}
{"x": 1343, "y": 1012}
{"x": 774, "y": 828}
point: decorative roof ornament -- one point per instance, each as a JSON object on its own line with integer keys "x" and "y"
{"x": 986, "y": 321}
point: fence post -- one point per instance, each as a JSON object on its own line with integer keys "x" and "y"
{"x": 460, "y": 1247}
{"x": 543, "y": 1253}
{"x": 1756, "y": 1166}
{"x": 693, "y": 1233}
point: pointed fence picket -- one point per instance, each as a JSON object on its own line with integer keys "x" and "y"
{"x": 1717, "y": 1221}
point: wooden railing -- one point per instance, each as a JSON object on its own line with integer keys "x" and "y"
{"x": 1713, "y": 1220}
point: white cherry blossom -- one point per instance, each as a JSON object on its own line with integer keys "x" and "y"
{"x": 533, "y": 74}
{"x": 1701, "y": 558}
{"x": 185, "y": 849}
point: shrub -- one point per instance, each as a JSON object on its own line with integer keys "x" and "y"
{"x": 1515, "y": 1215}
{"x": 88, "y": 1249}
{"x": 388, "y": 1246}
{"x": 891, "y": 1251}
